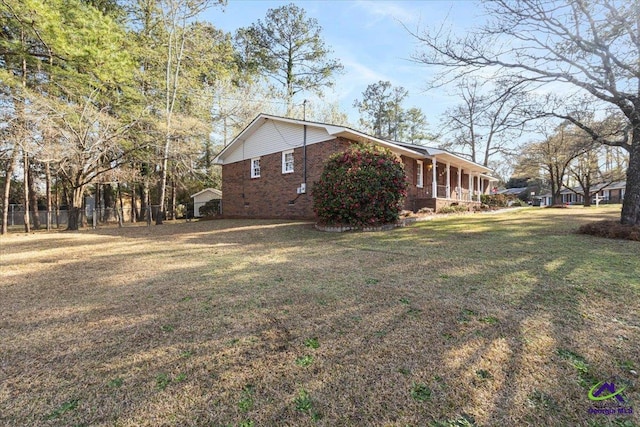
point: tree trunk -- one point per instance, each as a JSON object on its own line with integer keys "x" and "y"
{"x": 57, "y": 201}
{"x": 134, "y": 204}
{"x": 173, "y": 199}
{"x": 97, "y": 204}
{"x": 25, "y": 167}
{"x": 121, "y": 210}
{"x": 33, "y": 200}
{"x": 586, "y": 191}
{"x": 556, "y": 197}
{"x": 75, "y": 209}
{"x": 143, "y": 202}
{"x": 65, "y": 200}
{"x": 147, "y": 204}
{"x": 7, "y": 190}
{"x": 73, "y": 221}
{"x": 163, "y": 183}
{"x": 109, "y": 202}
{"x": 47, "y": 171}
{"x": 631, "y": 205}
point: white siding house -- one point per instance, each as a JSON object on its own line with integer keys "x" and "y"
{"x": 274, "y": 136}
{"x": 202, "y": 197}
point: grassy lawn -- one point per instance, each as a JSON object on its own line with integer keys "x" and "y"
{"x": 504, "y": 319}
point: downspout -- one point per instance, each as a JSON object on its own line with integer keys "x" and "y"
{"x": 303, "y": 188}
{"x": 304, "y": 146}
{"x": 304, "y": 157}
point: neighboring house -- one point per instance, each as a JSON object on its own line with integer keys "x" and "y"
{"x": 268, "y": 170}
{"x": 524, "y": 193}
{"x": 516, "y": 191}
{"x": 202, "y": 197}
{"x": 607, "y": 193}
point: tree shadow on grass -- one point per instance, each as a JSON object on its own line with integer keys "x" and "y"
{"x": 414, "y": 326}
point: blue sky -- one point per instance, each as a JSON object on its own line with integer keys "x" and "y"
{"x": 369, "y": 39}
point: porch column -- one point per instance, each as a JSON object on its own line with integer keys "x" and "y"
{"x": 459, "y": 191}
{"x": 448, "y": 191}
{"x": 470, "y": 187}
{"x": 434, "y": 178}
{"x": 478, "y": 186}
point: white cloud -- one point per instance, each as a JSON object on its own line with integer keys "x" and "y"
{"x": 359, "y": 73}
{"x": 383, "y": 10}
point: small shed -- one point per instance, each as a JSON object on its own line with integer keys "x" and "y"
{"x": 202, "y": 197}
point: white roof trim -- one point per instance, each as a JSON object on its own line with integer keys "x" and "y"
{"x": 341, "y": 131}
{"x": 217, "y": 192}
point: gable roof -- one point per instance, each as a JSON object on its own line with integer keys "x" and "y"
{"x": 617, "y": 185}
{"x": 212, "y": 190}
{"x": 333, "y": 130}
{"x": 410, "y": 150}
{"x": 514, "y": 191}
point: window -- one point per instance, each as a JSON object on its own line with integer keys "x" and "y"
{"x": 419, "y": 174}
{"x": 255, "y": 168}
{"x": 287, "y": 161}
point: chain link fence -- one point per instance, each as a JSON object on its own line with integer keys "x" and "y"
{"x": 91, "y": 216}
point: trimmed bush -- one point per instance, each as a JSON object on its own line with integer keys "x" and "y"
{"x": 428, "y": 211}
{"x": 211, "y": 208}
{"x": 453, "y": 209}
{"x": 494, "y": 200}
{"x": 362, "y": 186}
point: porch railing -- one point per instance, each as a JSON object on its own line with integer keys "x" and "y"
{"x": 466, "y": 195}
{"x": 455, "y": 193}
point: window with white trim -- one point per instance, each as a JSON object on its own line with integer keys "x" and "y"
{"x": 255, "y": 168}
{"x": 287, "y": 161}
{"x": 419, "y": 174}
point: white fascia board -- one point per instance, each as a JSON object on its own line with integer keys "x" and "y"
{"x": 459, "y": 161}
{"x": 213, "y": 190}
{"x": 489, "y": 177}
{"x": 259, "y": 121}
{"x": 241, "y": 137}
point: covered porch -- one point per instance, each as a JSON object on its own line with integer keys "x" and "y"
{"x": 446, "y": 179}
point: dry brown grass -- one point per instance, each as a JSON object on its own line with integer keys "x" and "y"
{"x": 506, "y": 319}
{"x": 611, "y": 230}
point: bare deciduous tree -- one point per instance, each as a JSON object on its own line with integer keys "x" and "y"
{"x": 586, "y": 47}
{"x": 90, "y": 143}
{"x": 556, "y": 153}
{"x": 485, "y": 123}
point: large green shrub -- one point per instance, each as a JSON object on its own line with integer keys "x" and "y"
{"x": 211, "y": 208}
{"x": 495, "y": 200}
{"x": 362, "y": 186}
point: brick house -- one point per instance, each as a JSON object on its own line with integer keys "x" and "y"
{"x": 269, "y": 168}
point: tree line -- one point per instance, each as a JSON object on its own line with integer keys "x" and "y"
{"x": 579, "y": 57}
{"x": 137, "y": 96}
{"x": 133, "y": 98}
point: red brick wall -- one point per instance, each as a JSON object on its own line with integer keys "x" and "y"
{"x": 416, "y": 196}
{"x": 270, "y": 195}
{"x": 410, "y": 167}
